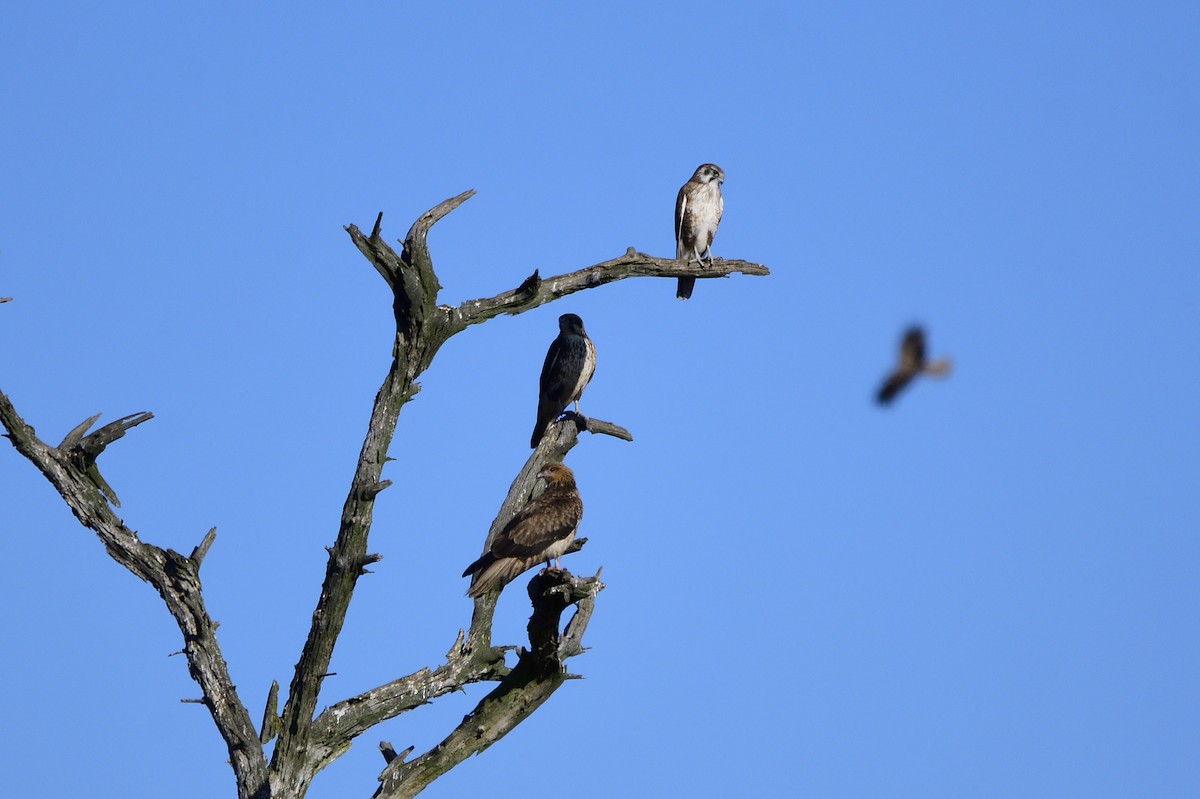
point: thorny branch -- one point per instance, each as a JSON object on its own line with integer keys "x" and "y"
{"x": 307, "y": 741}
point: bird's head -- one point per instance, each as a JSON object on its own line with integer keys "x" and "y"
{"x": 709, "y": 173}
{"x": 557, "y": 474}
{"x": 571, "y": 324}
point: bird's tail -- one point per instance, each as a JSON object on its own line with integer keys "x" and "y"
{"x": 539, "y": 429}
{"x": 686, "y": 284}
{"x": 938, "y": 368}
{"x": 495, "y": 574}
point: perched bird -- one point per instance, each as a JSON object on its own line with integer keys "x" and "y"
{"x": 912, "y": 363}
{"x": 697, "y": 213}
{"x": 569, "y": 365}
{"x": 542, "y": 531}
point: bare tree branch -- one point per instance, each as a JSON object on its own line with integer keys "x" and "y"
{"x": 307, "y": 741}
{"x": 270, "y": 722}
{"x": 537, "y": 675}
{"x": 535, "y": 291}
{"x": 201, "y": 549}
{"x": 74, "y": 474}
{"x": 473, "y": 658}
{"x": 84, "y": 450}
{"x": 297, "y": 755}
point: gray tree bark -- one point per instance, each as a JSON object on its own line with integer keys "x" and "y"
{"x": 307, "y": 740}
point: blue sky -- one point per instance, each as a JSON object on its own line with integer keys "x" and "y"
{"x": 988, "y": 590}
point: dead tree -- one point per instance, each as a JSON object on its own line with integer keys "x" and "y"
{"x": 307, "y": 740}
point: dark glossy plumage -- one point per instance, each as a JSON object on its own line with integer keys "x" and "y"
{"x": 569, "y": 365}
{"x": 698, "y": 209}
{"x": 541, "y": 531}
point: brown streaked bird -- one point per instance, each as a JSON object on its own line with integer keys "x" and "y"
{"x": 912, "y": 363}
{"x": 569, "y": 365}
{"x": 541, "y": 531}
{"x": 698, "y": 209}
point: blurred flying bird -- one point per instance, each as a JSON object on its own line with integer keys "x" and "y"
{"x": 912, "y": 363}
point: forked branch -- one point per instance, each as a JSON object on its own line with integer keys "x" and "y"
{"x": 71, "y": 468}
{"x": 538, "y": 674}
{"x": 473, "y": 658}
{"x": 308, "y": 741}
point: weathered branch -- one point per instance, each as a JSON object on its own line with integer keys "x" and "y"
{"x": 300, "y": 752}
{"x": 84, "y": 450}
{"x": 72, "y": 471}
{"x": 571, "y": 642}
{"x": 535, "y": 291}
{"x": 537, "y": 675}
{"x": 201, "y": 549}
{"x": 389, "y": 752}
{"x": 473, "y": 658}
{"x": 270, "y": 722}
{"x": 306, "y": 741}
{"x": 599, "y": 426}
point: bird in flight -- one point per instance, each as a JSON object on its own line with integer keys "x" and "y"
{"x": 569, "y": 365}
{"x": 697, "y": 213}
{"x": 912, "y": 363}
{"x": 541, "y": 531}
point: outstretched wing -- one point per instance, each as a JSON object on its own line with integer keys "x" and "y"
{"x": 892, "y": 386}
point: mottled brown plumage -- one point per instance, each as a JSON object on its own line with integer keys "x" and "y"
{"x": 698, "y": 209}
{"x": 542, "y": 531}
{"x": 912, "y": 363}
{"x": 568, "y": 367}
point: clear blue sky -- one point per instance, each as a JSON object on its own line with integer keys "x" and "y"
{"x": 988, "y": 590}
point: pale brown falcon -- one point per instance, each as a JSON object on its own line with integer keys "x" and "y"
{"x": 912, "y": 363}
{"x": 569, "y": 365}
{"x": 697, "y": 213}
{"x": 542, "y": 531}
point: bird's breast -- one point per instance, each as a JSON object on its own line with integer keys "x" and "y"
{"x": 583, "y": 353}
{"x": 706, "y": 207}
{"x": 557, "y": 549}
